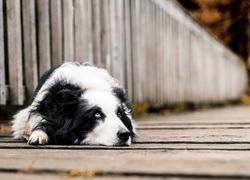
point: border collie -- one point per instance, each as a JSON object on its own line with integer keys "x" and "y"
{"x": 76, "y": 103}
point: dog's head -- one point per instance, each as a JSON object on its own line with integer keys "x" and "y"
{"x": 111, "y": 117}
{"x": 91, "y": 116}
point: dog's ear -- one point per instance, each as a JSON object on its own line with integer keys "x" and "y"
{"x": 63, "y": 92}
{"x": 60, "y": 98}
{"x": 67, "y": 95}
{"x": 120, "y": 94}
{"x": 61, "y": 95}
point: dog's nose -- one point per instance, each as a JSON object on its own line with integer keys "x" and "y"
{"x": 123, "y": 135}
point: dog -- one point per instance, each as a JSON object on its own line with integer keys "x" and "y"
{"x": 76, "y": 103}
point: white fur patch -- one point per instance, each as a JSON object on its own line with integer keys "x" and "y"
{"x": 105, "y": 133}
{"x": 88, "y": 77}
{"x": 24, "y": 123}
{"x": 38, "y": 137}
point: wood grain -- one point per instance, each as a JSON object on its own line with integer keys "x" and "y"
{"x": 44, "y": 50}
{"x": 29, "y": 45}
{"x": 182, "y": 146}
{"x": 56, "y": 32}
{"x": 15, "y": 52}
{"x": 2, "y": 59}
{"x": 159, "y": 53}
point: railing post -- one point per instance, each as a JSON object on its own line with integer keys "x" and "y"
{"x": 15, "y": 52}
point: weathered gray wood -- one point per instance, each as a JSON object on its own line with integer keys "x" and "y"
{"x": 134, "y": 45}
{"x": 56, "y": 32}
{"x": 104, "y": 32}
{"x": 113, "y": 38}
{"x": 80, "y": 27}
{"x": 128, "y": 50}
{"x": 214, "y": 152}
{"x": 96, "y": 25}
{"x": 15, "y": 52}
{"x": 193, "y": 162}
{"x": 68, "y": 31}
{"x": 44, "y": 51}
{"x": 120, "y": 38}
{"x": 2, "y": 59}
{"x": 30, "y": 46}
{"x": 88, "y": 10}
{"x": 107, "y": 39}
{"x": 155, "y": 49}
{"x": 140, "y": 146}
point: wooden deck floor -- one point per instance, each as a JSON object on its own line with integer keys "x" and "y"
{"x": 201, "y": 145}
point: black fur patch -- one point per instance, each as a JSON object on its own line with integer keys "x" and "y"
{"x": 126, "y": 121}
{"x": 120, "y": 94}
{"x": 67, "y": 117}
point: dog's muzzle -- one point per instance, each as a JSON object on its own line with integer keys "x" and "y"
{"x": 123, "y": 137}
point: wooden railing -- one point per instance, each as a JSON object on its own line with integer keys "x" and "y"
{"x": 153, "y": 47}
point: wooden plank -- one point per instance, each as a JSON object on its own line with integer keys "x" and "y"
{"x": 140, "y": 145}
{"x": 135, "y": 38}
{"x": 141, "y": 56}
{"x": 68, "y": 30}
{"x": 128, "y": 51}
{"x": 192, "y": 163}
{"x": 15, "y": 52}
{"x": 96, "y": 25}
{"x": 195, "y": 135}
{"x": 43, "y": 36}
{"x": 120, "y": 41}
{"x": 214, "y": 152}
{"x": 56, "y": 32}
{"x": 89, "y": 8}
{"x": 106, "y": 41}
{"x": 3, "y": 93}
{"x": 30, "y": 47}
{"x": 150, "y": 59}
{"x": 103, "y": 32}
{"x": 197, "y": 126}
{"x": 113, "y": 39}
{"x": 80, "y": 27}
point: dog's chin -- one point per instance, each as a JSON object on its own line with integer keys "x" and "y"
{"x": 117, "y": 143}
{"x": 121, "y": 143}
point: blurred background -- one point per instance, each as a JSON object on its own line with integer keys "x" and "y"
{"x": 168, "y": 54}
{"x": 229, "y": 20}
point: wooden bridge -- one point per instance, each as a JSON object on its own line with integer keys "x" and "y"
{"x": 161, "y": 55}
{"x": 208, "y": 144}
{"x": 153, "y": 47}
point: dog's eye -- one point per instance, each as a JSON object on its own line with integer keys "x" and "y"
{"x": 98, "y": 115}
{"x": 119, "y": 115}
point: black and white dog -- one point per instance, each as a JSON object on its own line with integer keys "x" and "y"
{"x": 76, "y": 103}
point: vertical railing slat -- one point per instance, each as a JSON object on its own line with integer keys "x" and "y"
{"x": 56, "y": 32}
{"x": 155, "y": 49}
{"x": 120, "y": 41}
{"x": 43, "y": 36}
{"x": 29, "y": 45}
{"x": 113, "y": 37}
{"x": 106, "y": 39}
{"x": 97, "y": 56}
{"x": 128, "y": 53}
{"x": 68, "y": 31}
{"x": 88, "y": 10}
{"x": 15, "y": 52}
{"x": 80, "y": 28}
{"x": 3, "y": 92}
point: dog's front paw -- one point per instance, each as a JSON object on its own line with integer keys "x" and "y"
{"x": 38, "y": 137}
